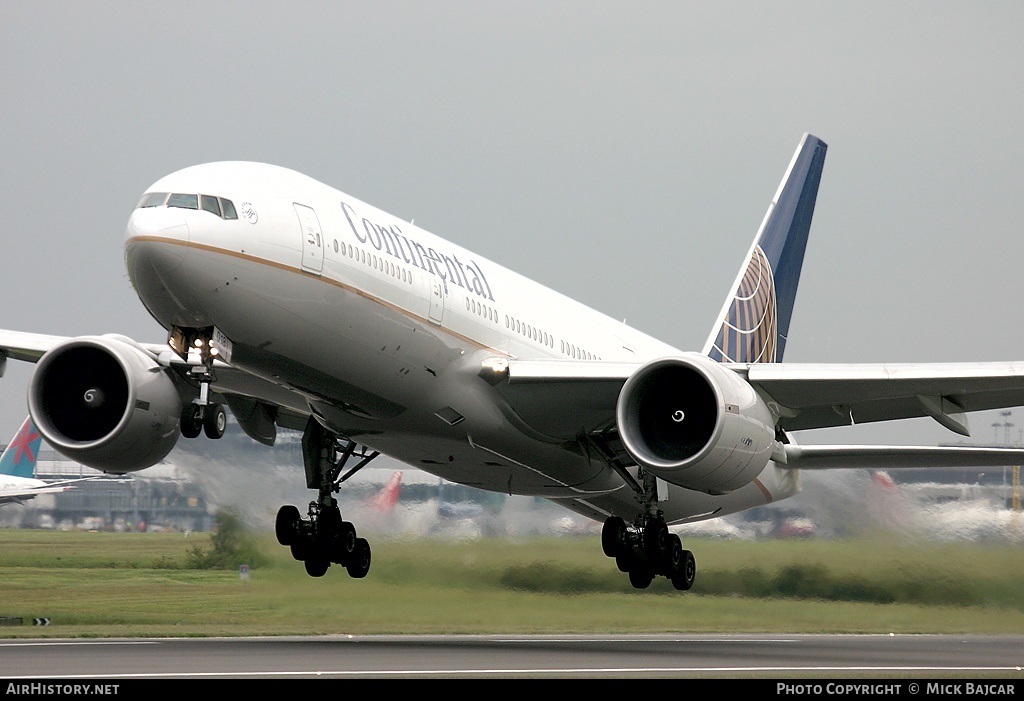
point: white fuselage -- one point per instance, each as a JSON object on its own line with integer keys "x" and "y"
{"x": 380, "y": 328}
{"x": 10, "y": 483}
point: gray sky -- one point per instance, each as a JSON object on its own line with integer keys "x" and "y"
{"x": 621, "y": 153}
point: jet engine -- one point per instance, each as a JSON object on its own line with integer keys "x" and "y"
{"x": 103, "y": 401}
{"x": 695, "y": 424}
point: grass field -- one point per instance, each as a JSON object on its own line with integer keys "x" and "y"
{"x": 138, "y": 584}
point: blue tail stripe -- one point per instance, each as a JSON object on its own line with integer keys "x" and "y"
{"x": 754, "y": 323}
{"x": 784, "y": 238}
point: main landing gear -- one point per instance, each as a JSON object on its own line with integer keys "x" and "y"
{"x": 647, "y": 548}
{"x": 325, "y": 538}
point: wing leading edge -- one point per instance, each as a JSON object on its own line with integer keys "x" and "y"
{"x": 808, "y": 396}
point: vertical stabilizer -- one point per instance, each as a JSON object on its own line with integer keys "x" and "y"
{"x": 19, "y": 458}
{"x": 754, "y": 322}
{"x": 387, "y": 497}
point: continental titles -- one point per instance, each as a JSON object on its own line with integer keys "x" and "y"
{"x": 390, "y": 239}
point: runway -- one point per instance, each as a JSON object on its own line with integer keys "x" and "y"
{"x": 518, "y": 656}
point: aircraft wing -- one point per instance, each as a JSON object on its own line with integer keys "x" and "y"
{"x": 561, "y": 399}
{"x": 9, "y": 496}
{"x": 822, "y": 395}
{"x": 567, "y": 399}
{"x": 28, "y": 347}
{"x": 246, "y": 394}
{"x": 827, "y": 457}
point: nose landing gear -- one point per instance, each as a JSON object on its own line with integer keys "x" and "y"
{"x": 201, "y": 415}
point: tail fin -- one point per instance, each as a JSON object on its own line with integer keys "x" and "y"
{"x": 19, "y": 458}
{"x": 754, "y": 322}
{"x": 387, "y": 497}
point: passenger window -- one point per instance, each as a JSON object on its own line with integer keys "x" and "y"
{"x": 183, "y": 201}
{"x": 229, "y": 209}
{"x": 153, "y": 199}
{"x": 210, "y": 204}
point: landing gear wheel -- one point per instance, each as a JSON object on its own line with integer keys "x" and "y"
{"x": 215, "y": 421}
{"x": 625, "y": 561}
{"x": 329, "y": 523}
{"x": 191, "y": 420}
{"x": 640, "y": 578}
{"x": 683, "y": 578}
{"x": 674, "y": 563}
{"x": 345, "y": 544}
{"x": 360, "y": 563}
{"x": 300, "y": 550}
{"x": 286, "y": 525}
{"x": 612, "y": 536}
{"x": 316, "y": 566}
{"x": 657, "y": 544}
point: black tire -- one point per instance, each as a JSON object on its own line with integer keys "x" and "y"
{"x": 285, "y": 524}
{"x": 301, "y": 550}
{"x": 686, "y": 574}
{"x": 328, "y": 524}
{"x": 191, "y": 421}
{"x": 656, "y": 541}
{"x": 674, "y": 562}
{"x": 640, "y": 577}
{"x": 215, "y": 421}
{"x": 316, "y": 566}
{"x": 360, "y": 562}
{"x": 345, "y": 543}
{"x": 613, "y": 535}
{"x": 625, "y": 561}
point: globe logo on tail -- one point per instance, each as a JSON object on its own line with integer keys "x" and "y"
{"x": 749, "y": 330}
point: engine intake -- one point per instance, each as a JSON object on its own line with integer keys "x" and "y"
{"x": 106, "y": 403}
{"x": 695, "y": 423}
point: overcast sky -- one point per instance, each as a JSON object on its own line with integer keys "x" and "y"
{"x": 623, "y": 153}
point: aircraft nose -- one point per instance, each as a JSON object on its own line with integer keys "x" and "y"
{"x": 147, "y": 223}
{"x": 152, "y": 249}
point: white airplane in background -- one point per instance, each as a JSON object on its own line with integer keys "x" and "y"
{"x": 302, "y": 307}
{"x": 18, "y": 483}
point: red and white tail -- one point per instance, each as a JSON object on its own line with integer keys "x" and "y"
{"x": 387, "y": 497}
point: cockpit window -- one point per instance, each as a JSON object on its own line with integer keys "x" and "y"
{"x": 223, "y": 208}
{"x": 153, "y": 199}
{"x": 229, "y": 209}
{"x": 183, "y": 201}
{"x": 210, "y": 204}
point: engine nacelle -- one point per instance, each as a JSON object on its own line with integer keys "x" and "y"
{"x": 106, "y": 403}
{"x": 695, "y": 424}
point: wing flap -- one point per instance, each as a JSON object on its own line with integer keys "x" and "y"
{"x": 561, "y": 399}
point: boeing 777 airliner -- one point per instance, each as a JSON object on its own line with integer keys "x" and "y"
{"x": 299, "y": 306}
